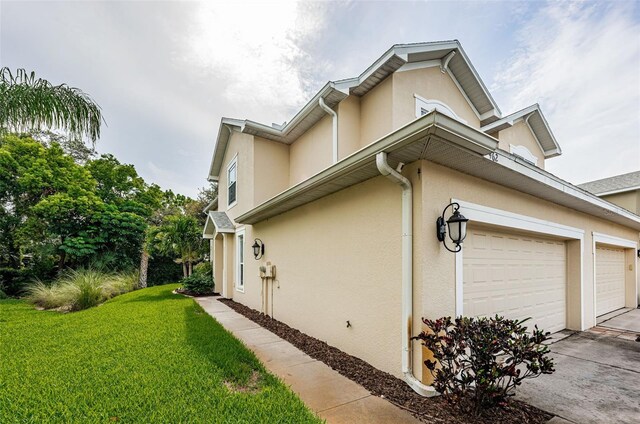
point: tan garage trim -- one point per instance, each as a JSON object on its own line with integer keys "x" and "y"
{"x": 628, "y": 256}
{"x": 507, "y": 221}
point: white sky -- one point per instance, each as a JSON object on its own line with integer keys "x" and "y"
{"x": 165, "y": 73}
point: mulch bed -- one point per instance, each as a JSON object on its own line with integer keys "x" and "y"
{"x": 379, "y": 383}
{"x": 194, "y": 294}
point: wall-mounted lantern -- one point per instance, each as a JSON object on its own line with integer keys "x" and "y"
{"x": 258, "y": 248}
{"x": 457, "y": 224}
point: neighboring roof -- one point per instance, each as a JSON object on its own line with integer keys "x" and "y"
{"x": 217, "y": 222}
{"x": 613, "y": 185}
{"x": 446, "y": 141}
{"x": 453, "y": 60}
{"x": 534, "y": 119}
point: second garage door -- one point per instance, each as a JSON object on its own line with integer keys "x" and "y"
{"x": 515, "y": 275}
{"x": 609, "y": 279}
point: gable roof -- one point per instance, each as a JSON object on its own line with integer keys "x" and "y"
{"x": 612, "y": 185}
{"x": 453, "y": 60}
{"x": 535, "y": 120}
{"x": 217, "y": 222}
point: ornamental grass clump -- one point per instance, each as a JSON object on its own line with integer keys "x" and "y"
{"x": 81, "y": 289}
{"x": 479, "y": 362}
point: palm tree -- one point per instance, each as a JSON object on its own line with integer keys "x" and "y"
{"x": 28, "y": 103}
{"x": 181, "y": 236}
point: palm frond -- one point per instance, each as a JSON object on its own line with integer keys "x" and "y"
{"x": 29, "y": 103}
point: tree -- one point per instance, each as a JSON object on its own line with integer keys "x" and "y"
{"x": 181, "y": 235}
{"x": 28, "y": 103}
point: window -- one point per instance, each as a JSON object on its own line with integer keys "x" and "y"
{"x": 424, "y": 106}
{"x": 232, "y": 177}
{"x": 240, "y": 260}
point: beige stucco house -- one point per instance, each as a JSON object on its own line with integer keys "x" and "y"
{"x": 344, "y": 199}
{"x": 622, "y": 190}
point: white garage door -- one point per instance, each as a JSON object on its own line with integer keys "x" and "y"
{"x": 516, "y": 276}
{"x": 609, "y": 279}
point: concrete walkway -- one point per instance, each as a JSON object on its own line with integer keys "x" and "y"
{"x": 332, "y": 396}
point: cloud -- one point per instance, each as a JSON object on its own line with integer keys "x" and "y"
{"x": 581, "y": 62}
{"x": 254, "y": 51}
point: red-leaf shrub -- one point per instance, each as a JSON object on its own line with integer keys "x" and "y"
{"x": 480, "y": 361}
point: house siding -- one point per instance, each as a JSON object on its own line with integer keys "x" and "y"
{"x": 337, "y": 260}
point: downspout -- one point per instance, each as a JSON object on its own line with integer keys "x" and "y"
{"x": 331, "y": 112}
{"x": 407, "y": 274}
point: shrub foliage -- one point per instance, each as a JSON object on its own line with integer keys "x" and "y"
{"x": 200, "y": 281}
{"x": 479, "y": 362}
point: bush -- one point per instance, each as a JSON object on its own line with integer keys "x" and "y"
{"x": 200, "y": 281}
{"x": 13, "y": 281}
{"x": 163, "y": 270}
{"x": 480, "y": 361}
{"x": 81, "y": 289}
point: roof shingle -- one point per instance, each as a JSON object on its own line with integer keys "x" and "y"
{"x": 615, "y": 183}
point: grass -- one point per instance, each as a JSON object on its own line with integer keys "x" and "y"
{"x": 147, "y": 356}
{"x": 81, "y": 289}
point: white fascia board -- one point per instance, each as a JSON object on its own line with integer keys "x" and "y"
{"x": 433, "y": 123}
{"x": 211, "y": 205}
{"x": 548, "y": 153}
{"x": 479, "y": 80}
{"x": 407, "y": 49}
{"x": 537, "y": 174}
{"x": 618, "y": 191}
{"x": 301, "y": 115}
{"x": 510, "y": 119}
{"x": 222, "y": 140}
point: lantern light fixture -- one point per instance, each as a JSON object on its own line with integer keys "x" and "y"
{"x": 258, "y": 248}
{"x": 457, "y": 225}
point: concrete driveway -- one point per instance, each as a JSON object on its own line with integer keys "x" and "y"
{"x": 597, "y": 378}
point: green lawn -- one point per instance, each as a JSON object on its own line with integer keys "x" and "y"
{"x": 145, "y": 357}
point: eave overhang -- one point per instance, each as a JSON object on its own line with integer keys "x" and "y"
{"x": 535, "y": 120}
{"x": 415, "y": 140}
{"x": 443, "y": 140}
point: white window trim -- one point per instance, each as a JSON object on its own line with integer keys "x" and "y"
{"x": 612, "y": 241}
{"x": 234, "y": 161}
{"x": 431, "y": 104}
{"x": 510, "y": 220}
{"x": 240, "y": 287}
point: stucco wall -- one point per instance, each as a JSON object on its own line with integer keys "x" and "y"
{"x": 430, "y": 84}
{"x": 312, "y": 152}
{"x": 441, "y": 184}
{"x": 376, "y": 112}
{"x": 629, "y": 200}
{"x": 240, "y": 145}
{"x": 338, "y": 259}
{"x": 348, "y": 126}
{"x": 270, "y": 169}
{"x": 520, "y": 135}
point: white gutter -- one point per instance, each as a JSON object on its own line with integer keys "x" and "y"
{"x": 407, "y": 274}
{"x": 331, "y": 112}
